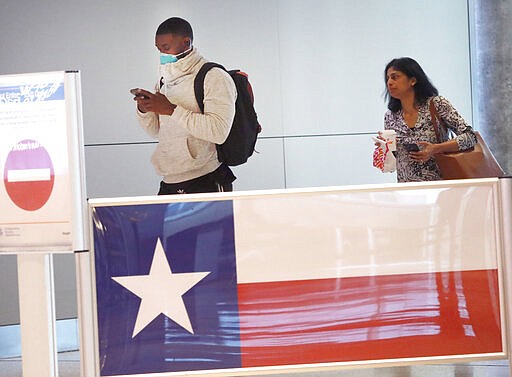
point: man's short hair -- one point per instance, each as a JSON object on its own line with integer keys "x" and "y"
{"x": 175, "y": 25}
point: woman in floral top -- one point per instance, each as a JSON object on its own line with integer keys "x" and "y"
{"x": 409, "y": 92}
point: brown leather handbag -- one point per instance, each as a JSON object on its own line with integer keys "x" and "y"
{"x": 477, "y": 162}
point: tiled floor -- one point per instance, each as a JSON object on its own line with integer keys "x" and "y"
{"x": 69, "y": 366}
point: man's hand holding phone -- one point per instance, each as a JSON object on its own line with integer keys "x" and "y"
{"x": 137, "y": 92}
{"x": 155, "y": 102}
{"x": 140, "y": 96}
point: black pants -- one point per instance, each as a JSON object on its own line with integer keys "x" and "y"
{"x": 219, "y": 180}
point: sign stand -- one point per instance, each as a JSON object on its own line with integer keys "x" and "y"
{"x": 37, "y": 315}
{"x": 42, "y": 198}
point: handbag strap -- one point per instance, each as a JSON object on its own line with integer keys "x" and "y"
{"x": 435, "y": 120}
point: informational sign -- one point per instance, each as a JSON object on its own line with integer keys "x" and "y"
{"x": 272, "y": 282}
{"x": 39, "y": 125}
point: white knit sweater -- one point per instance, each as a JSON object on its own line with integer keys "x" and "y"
{"x": 186, "y": 139}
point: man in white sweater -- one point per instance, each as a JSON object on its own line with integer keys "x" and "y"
{"x": 186, "y": 156}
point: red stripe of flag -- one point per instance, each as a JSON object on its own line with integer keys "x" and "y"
{"x": 369, "y": 318}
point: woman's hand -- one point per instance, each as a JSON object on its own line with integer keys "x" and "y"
{"x": 379, "y": 136}
{"x": 155, "y": 102}
{"x": 427, "y": 151}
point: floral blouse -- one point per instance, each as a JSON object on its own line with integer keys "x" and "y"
{"x": 409, "y": 170}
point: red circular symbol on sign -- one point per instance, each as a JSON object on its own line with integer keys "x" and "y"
{"x": 29, "y": 175}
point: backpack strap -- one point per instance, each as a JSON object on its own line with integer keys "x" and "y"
{"x": 199, "y": 82}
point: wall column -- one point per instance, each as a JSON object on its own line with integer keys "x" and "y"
{"x": 491, "y": 74}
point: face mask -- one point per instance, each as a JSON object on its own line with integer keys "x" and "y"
{"x": 170, "y": 58}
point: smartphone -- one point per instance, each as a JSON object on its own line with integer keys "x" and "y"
{"x": 136, "y": 93}
{"x": 412, "y": 147}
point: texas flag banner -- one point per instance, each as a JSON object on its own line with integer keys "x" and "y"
{"x": 288, "y": 280}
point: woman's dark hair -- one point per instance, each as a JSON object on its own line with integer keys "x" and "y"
{"x": 423, "y": 89}
{"x": 176, "y": 25}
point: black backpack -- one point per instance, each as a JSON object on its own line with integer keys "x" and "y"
{"x": 240, "y": 143}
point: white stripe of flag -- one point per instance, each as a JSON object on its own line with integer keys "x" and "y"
{"x": 349, "y": 235}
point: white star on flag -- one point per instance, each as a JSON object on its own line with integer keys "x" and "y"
{"x": 161, "y": 292}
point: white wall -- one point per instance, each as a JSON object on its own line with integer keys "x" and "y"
{"x": 316, "y": 67}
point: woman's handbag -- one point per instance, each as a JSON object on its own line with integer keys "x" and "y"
{"x": 477, "y": 162}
